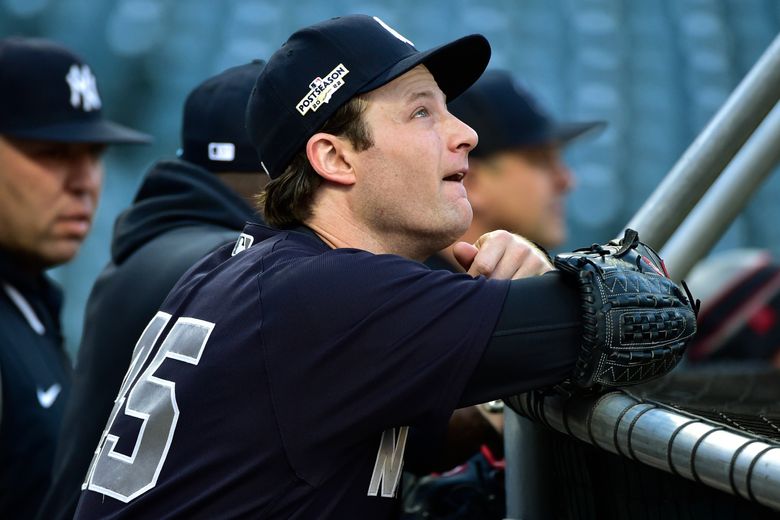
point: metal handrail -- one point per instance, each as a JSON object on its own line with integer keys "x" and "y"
{"x": 663, "y": 212}
{"x": 725, "y": 200}
{"x": 727, "y": 459}
{"x": 712, "y": 150}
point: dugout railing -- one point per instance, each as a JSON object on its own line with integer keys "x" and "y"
{"x": 724, "y": 447}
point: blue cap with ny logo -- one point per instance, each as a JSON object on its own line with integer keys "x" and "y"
{"x": 49, "y": 94}
{"x": 323, "y": 66}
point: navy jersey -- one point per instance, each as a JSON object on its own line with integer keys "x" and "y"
{"x": 281, "y": 382}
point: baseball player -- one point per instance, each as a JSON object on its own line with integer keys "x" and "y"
{"x": 280, "y": 377}
{"x": 185, "y": 208}
{"x": 52, "y": 137}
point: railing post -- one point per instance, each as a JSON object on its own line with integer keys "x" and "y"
{"x": 725, "y": 200}
{"x": 712, "y": 150}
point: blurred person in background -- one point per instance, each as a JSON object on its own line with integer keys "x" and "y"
{"x": 52, "y": 137}
{"x": 740, "y": 315}
{"x": 517, "y": 181}
{"x": 184, "y": 209}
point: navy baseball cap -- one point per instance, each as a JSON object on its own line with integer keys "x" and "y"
{"x": 213, "y": 135}
{"x": 323, "y": 66}
{"x": 506, "y": 116}
{"x": 49, "y": 93}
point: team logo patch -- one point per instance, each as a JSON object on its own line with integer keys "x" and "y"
{"x": 47, "y": 397}
{"x": 322, "y": 89}
{"x": 83, "y": 88}
{"x": 244, "y": 242}
{"x": 222, "y": 151}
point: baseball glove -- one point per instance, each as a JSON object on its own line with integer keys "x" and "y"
{"x": 636, "y": 321}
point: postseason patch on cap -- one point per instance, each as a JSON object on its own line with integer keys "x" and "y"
{"x": 322, "y": 89}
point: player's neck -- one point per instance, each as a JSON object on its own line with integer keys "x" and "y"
{"x": 344, "y": 234}
{"x": 339, "y": 227}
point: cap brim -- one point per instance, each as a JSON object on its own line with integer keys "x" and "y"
{"x": 455, "y": 66}
{"x": 566, "y": 132}
{"x": 101, "y": 131}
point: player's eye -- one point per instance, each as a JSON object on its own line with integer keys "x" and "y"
{"x": 421, "y": 112}
{"x": 96, "y": 150}
{"x": 52, "y": 152}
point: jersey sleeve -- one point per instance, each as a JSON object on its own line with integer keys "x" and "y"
{"x": 357, "y": 343}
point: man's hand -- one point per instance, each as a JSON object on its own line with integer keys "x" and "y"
{"x": 502, "y": 255}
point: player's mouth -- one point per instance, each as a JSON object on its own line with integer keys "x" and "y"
{"x": 455, "y": 177}
{"x": 75, "y": 224}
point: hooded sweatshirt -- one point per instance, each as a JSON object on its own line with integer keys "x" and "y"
{"x": 180, "y": 214}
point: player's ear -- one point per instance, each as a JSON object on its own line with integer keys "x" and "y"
{"x": 329, "y": 155}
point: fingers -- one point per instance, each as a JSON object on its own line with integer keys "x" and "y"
{"x": 464, "y": 253}
{"x": 498, "y": 257}
{"x": 535, "y": 263}
{"x": 502, "y": 255}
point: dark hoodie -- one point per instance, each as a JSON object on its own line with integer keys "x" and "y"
{"x": 180, "y": 214}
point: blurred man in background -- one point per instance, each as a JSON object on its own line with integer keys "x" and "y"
{"x": 184, "y": 209}
{"x": 52, "y": 137}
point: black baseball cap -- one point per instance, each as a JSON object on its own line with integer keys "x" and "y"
{"x": 213, "y": 135}
{"x": 49, "y": 93}
{"x": 323, "y": 66}
{"x": 506, "y": 116}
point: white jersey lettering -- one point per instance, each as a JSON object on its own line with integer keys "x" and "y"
{"x": 389, "y": 462}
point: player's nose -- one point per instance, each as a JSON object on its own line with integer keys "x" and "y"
{"x": 564, "y": 177}
{"x": 464, "y": 138}
{"x": 84, "y": 171}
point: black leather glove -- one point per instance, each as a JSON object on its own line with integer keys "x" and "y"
{"x": 636, "y": 321}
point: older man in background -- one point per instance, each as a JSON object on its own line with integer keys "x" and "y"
{"x": 52, "y": 137}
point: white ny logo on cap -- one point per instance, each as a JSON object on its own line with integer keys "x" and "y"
{"x": 83, "y": 88}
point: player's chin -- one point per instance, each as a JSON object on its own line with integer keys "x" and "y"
{"x": 448, "y": 226}
{"x": 460, "y": 222}
{"x": 58, "y": 251}
{"x": 555, "y": 236}
{"x": 462, "y": 214}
